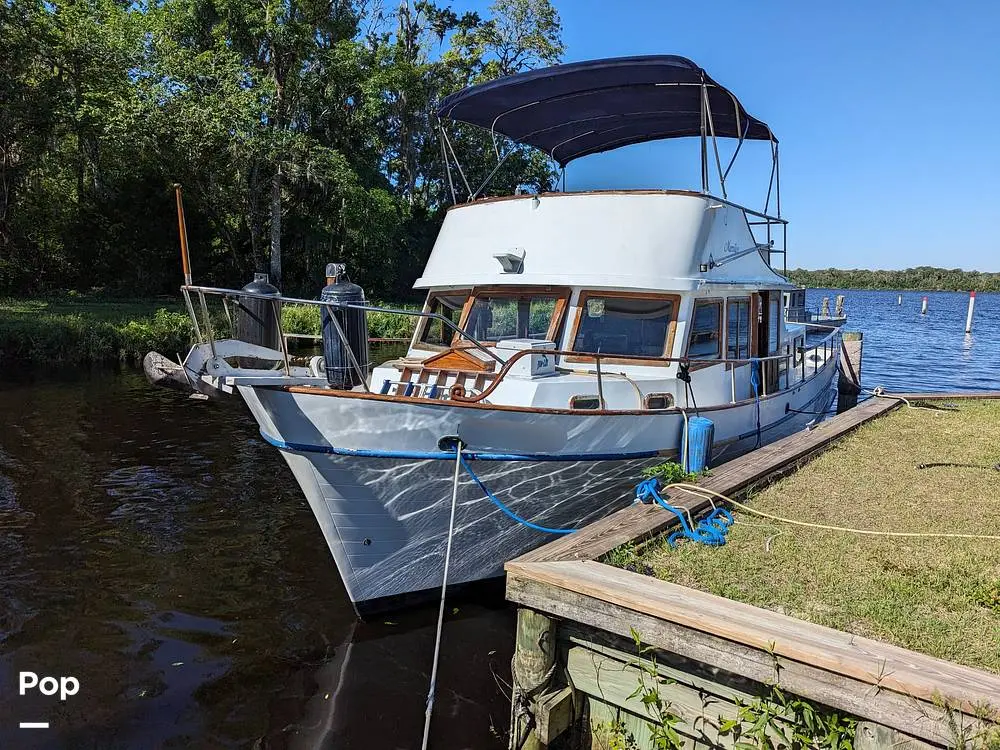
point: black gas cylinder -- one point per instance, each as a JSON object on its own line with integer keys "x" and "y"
{"x": 256, "y": 319}
{"x": 352, "y": 338}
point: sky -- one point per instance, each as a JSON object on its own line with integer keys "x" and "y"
{"x": 887, "y": 113}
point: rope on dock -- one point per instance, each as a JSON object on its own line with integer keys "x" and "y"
{"x": 444, "y": 588}
{"x": 705, "y": 493}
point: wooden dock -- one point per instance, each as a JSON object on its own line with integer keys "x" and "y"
{"x": 715, "y": 655}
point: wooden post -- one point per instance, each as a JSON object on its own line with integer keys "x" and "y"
{"x": 839, "y": 312}
{"x": 534, "y": 657}
{"x": 824, "y": 311}
{"x": 849, "y": 382}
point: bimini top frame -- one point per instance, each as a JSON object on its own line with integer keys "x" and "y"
{"x": 583, "y": 108}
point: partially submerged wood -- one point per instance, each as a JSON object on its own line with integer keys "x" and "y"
{"x": 164, "y": 372}
{"x": 532, "y": 668}
{"x": 849, "y": 379}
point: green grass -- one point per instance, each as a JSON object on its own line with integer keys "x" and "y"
{"x": 91, "y": 331}
{"x": 937, "y": 596}
{"x": 80, "y": 330}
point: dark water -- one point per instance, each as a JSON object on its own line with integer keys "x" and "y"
{"x": 907, "y": 351}
{"x": 157, "y": 550}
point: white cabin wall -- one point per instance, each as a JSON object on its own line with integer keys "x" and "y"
{"x": 633, "y": 241}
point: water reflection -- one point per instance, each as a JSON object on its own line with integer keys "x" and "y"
{"x": 157, "y": 549}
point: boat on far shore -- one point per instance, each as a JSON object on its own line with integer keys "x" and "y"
{"x": 568, "y": 341}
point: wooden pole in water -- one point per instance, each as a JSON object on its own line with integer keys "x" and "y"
{"x": 849, "y": 381}
{"x": 182, "y": 228}
{"x": 534, "y": 657}
{"x": 923, "y": 306}
{"x": 899, "y": 299}
{"x": 972, "y": 306}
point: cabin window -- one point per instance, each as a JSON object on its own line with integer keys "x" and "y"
{"x": 628, "y": 326}
{"x": 705, "y": 339}
{"x": 738, "y": 328}
{"x": 495, "y": 317}
{"x": 434, "y": 332}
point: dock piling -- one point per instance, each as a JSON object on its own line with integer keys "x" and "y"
{"x": 532, "y": 669}
{"x": 972, "y": 305}
{"x": 923, "y": 306}
{"x": 849, "y": 381}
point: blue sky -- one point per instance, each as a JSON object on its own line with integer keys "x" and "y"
{"x": 887, "y": 113}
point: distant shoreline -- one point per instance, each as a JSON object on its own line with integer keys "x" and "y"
{"x": 920, "y": 279}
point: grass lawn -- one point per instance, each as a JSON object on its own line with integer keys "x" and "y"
{"x": 937, "y": 596}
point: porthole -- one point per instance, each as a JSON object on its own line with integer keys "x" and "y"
{"x": 585, "y": 402}
{"x": 660, "y": 401}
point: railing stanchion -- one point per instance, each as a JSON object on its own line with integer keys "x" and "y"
{"x": 281, "y": 337}
{"x": 208, "y": 323}
{"x": 350, "y": 352}
{"x": 600, "y": 385}
{"x": 732, "y": 379}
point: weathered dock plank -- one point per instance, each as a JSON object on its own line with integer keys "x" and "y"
{"x": 865, "y": 699}
{"x": 877, "y": 664}
{"x": 731, "y": 478}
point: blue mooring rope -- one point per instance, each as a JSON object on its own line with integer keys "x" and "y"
{"x": 505, "y": 509}
{"x": 710, "y": 530}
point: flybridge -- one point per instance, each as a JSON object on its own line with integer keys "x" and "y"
{"x": 590, "y": 107}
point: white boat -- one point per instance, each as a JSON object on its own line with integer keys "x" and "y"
{"x": 555, "y": 346}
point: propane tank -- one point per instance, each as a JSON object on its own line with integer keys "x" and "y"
{"x": 337, "y": 349}
{"x": 256, "y": 320}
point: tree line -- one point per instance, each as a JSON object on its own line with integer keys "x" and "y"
{"x": 922, "y": 278}
{"x": 302, "y": 132}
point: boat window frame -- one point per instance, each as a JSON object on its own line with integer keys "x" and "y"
{"x": 421, "y": 328}
{"x": 702, "y": 362}
{"x": 668, "y": 346}
{"x": 561, "y": 294}
{"x": 748, "y": 299}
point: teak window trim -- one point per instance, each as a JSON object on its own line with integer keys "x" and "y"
{"x": 581, "y": 309}
{"x": 697, "y": 364}
{"x": 560, "y": 293}
{"x": 424, "y": 322}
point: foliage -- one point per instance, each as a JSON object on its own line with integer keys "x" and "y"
{"x": 669, "y": 472}
{"x": 302, "y": 133}
{"x": 81, "y": 333}
{"x": 776, "y": 720}
{"x": 924, "y": 278}
{"x": 381, "y": 325}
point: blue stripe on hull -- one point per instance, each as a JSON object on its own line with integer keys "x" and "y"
{"x": 442, "y": 455}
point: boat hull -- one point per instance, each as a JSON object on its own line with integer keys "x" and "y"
{"x": 380, "y": 485}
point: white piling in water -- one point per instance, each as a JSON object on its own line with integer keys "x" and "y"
{"x": 923, "y": 306}
{"x": 899, "y": 299}
{"x": 972, "y": 306}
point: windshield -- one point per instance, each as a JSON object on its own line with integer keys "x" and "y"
{"x": 496, "y": 317}
{"x": 624, "y": 325}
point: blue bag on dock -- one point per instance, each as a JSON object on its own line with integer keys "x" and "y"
{"x": 697, "y": 440}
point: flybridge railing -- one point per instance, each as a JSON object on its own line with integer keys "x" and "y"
{"x": 785, "y": 363}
